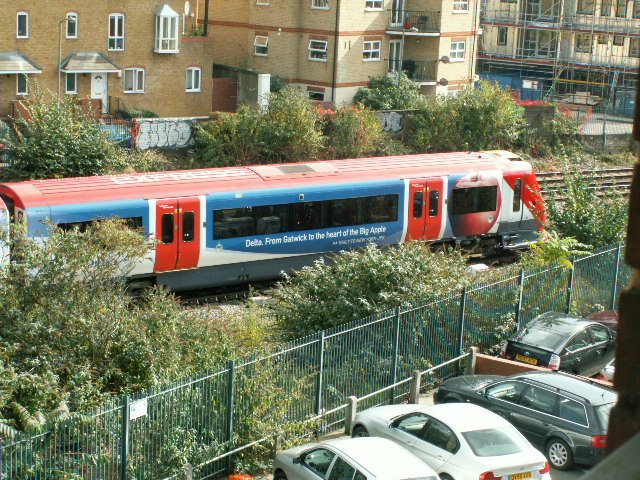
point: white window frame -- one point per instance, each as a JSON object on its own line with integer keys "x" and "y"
{"x": 116, "y": 35}
{"x": 166, "y": 42}
{"x": 317, "y": 50}
{"x": 320, "y": 4}
{"x": 373, "y": 5}
{"x": 138, "y": 77}
{"x": 18, "y": 15}
{"x": 261, "y": 41}
{"x": 371, "y": 50}
{"x": 456, "y": 54}
{"x": 193, "y": 74}
{"x": 75, "y": 83}
{"x": 73, "y": 15}
{"x": 460, "y": 6}
{"x": 263, "y": 3}
{"x": 26, "y": 85}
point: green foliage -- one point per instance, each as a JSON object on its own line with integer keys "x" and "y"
{"x": 481, "y": 118}
{"x": 357, "y": 284}
{"x": 559, "y": 135}
{"x": 576, "y": 211}
{"x": 277, "y": 84}
{"x": 134, "y": 160}
{"x": 59, "y": 140}
{"x": 134, "y": 113}
{"x": 384, "y": 93}
{"x": 551, "y": 249}
{"x": 285, "y": 132}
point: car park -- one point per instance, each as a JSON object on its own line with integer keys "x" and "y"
{"x": 562, "y": 342}
{"x": 459, "y": 441}
{"x": 566, "y": 417}
{"x": 350, "y": 459}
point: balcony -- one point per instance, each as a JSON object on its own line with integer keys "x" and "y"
{"x": 423, "y": 22}
{"x": 420, "y": 71}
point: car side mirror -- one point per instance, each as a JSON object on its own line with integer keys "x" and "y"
{"x": 297, "y": 460}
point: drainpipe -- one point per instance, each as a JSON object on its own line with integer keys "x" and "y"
{"x": 205, "y": 31}
{"x": 335, "y": 54}
{"x": 476, "y": 39}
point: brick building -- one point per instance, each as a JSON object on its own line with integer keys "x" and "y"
{"x": 122, "y": 54}
{"x": 330, "y": 48}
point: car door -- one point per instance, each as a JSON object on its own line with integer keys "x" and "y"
{"x": 578, "y": 353}
{"x": 315, "y": 464}
{"x": 603, "y": 346}
{"x": 437, "y": 444}
{"x": 502, "y": 398}
{"x": 343, "y": 470}
{"x": 540, "y": 414}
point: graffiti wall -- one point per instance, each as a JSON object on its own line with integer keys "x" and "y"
{"x": 394, "y": 121}
{"x": 164, "y": 132}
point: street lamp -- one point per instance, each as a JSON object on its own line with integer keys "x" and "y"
{"x": 65, "y": 21}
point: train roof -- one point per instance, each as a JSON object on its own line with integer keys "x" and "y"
{"x": 181, "y": 183}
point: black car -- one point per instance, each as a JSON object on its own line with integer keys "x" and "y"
{"x": 563, "y": 415}
{"x": 563, "y": 342}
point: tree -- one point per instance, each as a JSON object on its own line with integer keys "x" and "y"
{"x": 57, "y": 139}
{"x": 386, "y": 93}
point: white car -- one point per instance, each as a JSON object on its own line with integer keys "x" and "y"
{"x": 350, "y": 459}
{"x": 460, "y": 441}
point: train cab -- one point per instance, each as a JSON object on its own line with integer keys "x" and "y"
{"x": 4, "y": 233}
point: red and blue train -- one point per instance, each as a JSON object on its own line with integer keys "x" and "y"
{"x": 225, "y": 226}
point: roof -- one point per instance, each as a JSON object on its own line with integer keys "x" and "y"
{"x": 465, "y": 417}
{"x": 559, "y": 323}
{"x": 239, "y": 179}
{"x": 12, "y": 62}
{"x": 88, "y": 62}
{"x": 594, "y": 393}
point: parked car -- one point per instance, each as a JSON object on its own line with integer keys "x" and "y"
{"x": 565, "y": 416}
{"x": 563, "y": 342}
{"x": 608, "y": 318}
{"x": 459, "y": 441}
{"x": 350, "y": 459}
{"x": 607, "y": 372}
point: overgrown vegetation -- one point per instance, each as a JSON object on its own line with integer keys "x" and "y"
{"x": 390, "y": 93}
{"x": 137, "y": 113}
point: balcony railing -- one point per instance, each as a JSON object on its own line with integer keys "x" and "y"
{"x": 423, "y": 21}
{"x": 421, "y": 71}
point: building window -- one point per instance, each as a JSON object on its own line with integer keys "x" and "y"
{"x": 194, "y": 76}
{"x": 323, "y": 4}
{"x": 318, "y": 50}
{"x": 603, "y": 38}
{"x": 134, "y": 80}
{"x": 621, "y": 8}
{"x": 263, "y": 3}
{"x": 583, "y": 42}
{"x": 166, "y": 30}
{"x": 502, "y": 36}
{"x": 71, "y": 84}
{"x": 605, "y": 8}
{"x": 22, "y": 24}
{"x": 457, "y": 51}
{"x": 371, "y": 50}
{"x": 261, "y": 46}
{"x": 636, "y": 9}
{"x": 460, "y": 5}
{"x": 72, "y": 25}
{"x": 634, "y": 47}
{"x": 586, "y": 7}
{"x": 315, "y": 93}
{"x": 23, "y": 84}
{"x": 373, "y": 4}
{"x": 116, "y": 31}
{"x": 618, "y": 40}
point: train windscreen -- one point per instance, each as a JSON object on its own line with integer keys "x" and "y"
{"x": 4, "y": 233}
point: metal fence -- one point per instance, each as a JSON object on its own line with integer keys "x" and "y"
{"x": 202, "y": 421}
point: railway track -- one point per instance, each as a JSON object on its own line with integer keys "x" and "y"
{"x": 601, "y": 180}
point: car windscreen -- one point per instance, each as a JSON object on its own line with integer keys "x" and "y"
{"x": 492, "y": 442}
{"x": 541, "y": 338}
{"x": 603, "y": 412}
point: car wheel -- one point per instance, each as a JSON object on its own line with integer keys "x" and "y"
{"x": 280, "y": 475}
{"x": 359, "y": 431}
{"x": 559, "y": 454}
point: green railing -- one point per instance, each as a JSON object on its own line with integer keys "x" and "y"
{"x": 210, "y": 416}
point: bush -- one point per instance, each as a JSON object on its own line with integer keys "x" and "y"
{"x": 558, "y": 135}
{"x": 133, "y": 113}
{"x": 384, "y": 93}
{"x": 357, "y": 284}
{"x": 59, "y": 140}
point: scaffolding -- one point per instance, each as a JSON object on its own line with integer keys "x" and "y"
{"x": 569, "y": 50}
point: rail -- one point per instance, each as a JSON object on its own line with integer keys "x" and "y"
{"x": 601, "y": 180}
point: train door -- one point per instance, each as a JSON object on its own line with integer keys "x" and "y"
{"x": 516, "y": 185}
{"x": 425, "y": 209}
{"x": 177, "y": 234}
{"x": 4, "y": 233}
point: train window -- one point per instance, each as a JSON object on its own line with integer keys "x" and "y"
{"x": 188, "y": 226}
{"x": 474, "y": 200}
{"x": 418, "y": 201}
{"x": 517, "y": 195}
{"x": 381, "y": 208}
{"x": 342, "y": 213}
{"x": 134, "y": 223}
{"x": 305, "y": 216}
{"x": 166, "y": 235}
{"x": 270, "y": 219}
{"x": 233, "y": 223}
{"x": 434, "y": 203}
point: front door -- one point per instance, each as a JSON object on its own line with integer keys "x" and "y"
{"x": 177, "y": 234}
{"x": 394, "y": 55}
{"x": 100, "y": 90}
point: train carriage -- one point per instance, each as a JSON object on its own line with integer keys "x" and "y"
{"x": 225, "y": 226}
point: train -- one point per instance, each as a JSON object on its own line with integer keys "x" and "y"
{"x": 236, "y": 225}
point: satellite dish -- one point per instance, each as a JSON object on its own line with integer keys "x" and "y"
{"x": 186, "y": 8}
{"x": 444, "y": 82}
{"x": 444, "y": 59}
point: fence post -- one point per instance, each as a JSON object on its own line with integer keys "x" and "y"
{"x": 614, "y": 292}
{"x": 570, "y": 287}
{"x": 463, "y": 305}
{"x": 396, "y": 342}
{"x": 230, "y": 404}
{"x": 470, "y": 365}
{"x": 414, "y": 391}
{"x": 124, "y": 441}
{"x": 520, "y": 295}
{"x": 350, "y": 414}
{"x": 320, "y": 372}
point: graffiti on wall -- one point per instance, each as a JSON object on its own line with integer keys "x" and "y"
{"x": 164, "y": 132}
{"x": 392, "y": 121}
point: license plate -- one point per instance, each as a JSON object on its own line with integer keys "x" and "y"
{"x": 520, "y": 476}
{"x": 532, "y": 361}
